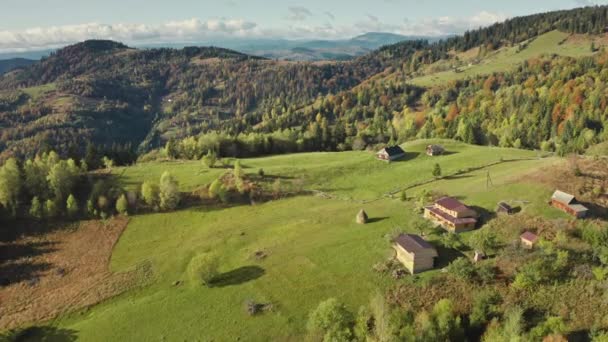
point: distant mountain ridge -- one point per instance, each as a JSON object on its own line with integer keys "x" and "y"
{"x": 277, "y": 48}
{"x": 14, "y": 63}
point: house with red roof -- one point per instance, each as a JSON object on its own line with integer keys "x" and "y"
{"x": 452, "y": 215}
{"x": 528, "y": 239}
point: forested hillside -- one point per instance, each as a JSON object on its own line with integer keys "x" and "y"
{"x": 127, "y": 101}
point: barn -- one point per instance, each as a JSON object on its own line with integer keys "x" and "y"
{"x": 568, "y": 203}
{"x": 415, "y": 253}
{"x": 391, "y": 153}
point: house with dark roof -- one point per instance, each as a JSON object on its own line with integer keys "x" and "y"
{"x": 416, "y": 254}
{"x": 528, "y": 239}
{"x": 452, "y": 215}
{"x": 568, "y": 204}
{"x": 434, "y": 150}
{"x": 391, "y": 153}
{"x": 504, "y": 208}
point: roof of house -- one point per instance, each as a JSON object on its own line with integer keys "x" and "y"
{"x": 562, "y": 197}
{"x": 505, "y": 206}
{"x": 529, "y": 236}
{"x": 435, "y": 148}
{"x": 452, "y": 219}
{"x": 413, "y": 243}
{"x": 451, "y": 203}
{"x": 393, "y": 150}
{"x": 579, "y": 208}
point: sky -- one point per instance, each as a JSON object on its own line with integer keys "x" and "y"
{"x": 39, "y": 24}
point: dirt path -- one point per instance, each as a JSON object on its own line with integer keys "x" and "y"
{"x": 42, "y": 277}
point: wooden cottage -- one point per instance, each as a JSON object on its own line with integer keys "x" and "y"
{"x": 391, "y": 153}
{"x": 361, "y": 217}
{"x": 568, "y": 204}
{"x": 528, "y": 239}
{"x": 434, "y": 150}
{"x": 452, "y": 215}
{"x": 415, "y": 253}
{"x": 504, "y": 208}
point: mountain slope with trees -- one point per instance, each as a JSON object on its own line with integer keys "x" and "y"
{"x": 131, "y": 101}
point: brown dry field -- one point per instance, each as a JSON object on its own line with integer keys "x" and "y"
{"x": 45, "y": 275}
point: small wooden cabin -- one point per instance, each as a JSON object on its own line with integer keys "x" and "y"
{"x": 435, "y": 150}
{"x": 528, "y": 239}
{"x": 415, "y": 253}
{"x": 568, "y": 203}
{"x": 391, "y": 153}
{"x": 504, "y": 208}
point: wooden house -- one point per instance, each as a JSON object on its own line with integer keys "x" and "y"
{"x": 504, "y": 208}
{"x": 391, "y": 153}
{"x": 528, "y": 239}
{"x": 568, "y": 204}
{"x": 415, "y": 253}
{"x": 434, "y": 150}
{"x": 452, "y": 215}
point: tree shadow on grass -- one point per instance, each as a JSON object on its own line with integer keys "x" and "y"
{"x": 408, "y": 156}
{"x": 40, "y": 334}
{"x": 238, "y": 276}
{"x": 446, "y": 256}
{"x": 15, "y": 251}
{"x": 13, "y": 273}
{"x": 376, "y": 219}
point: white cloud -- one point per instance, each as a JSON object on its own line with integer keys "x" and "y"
{"x": 185, "y": 30}
{"x": 197, "y": 30}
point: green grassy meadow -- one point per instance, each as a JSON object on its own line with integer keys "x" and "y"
{"x": 508, "y": 58}
{"x": 314, "y": 248}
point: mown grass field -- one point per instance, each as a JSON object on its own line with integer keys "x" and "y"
{"x": 505, "y": 59}
{"x": 314, "y": 248}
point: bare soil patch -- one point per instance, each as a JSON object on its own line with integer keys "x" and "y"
{"x": 46, "y": 275}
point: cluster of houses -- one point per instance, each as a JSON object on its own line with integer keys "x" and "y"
{"x": 418, "y": 255}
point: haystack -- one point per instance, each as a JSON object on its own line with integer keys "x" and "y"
{"x": 362, "y": 217}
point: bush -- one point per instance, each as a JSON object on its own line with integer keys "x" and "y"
{"x": 72, "y": 206}
{"x": 122, "y": 205}
{"x": 209, "y": 159}
{"x": 203, "y": 268}
{"x": 50, "y": 209}
{"x": 36, "y": 210}
{"x": 462, "y": 268}
{"x": 331, "y": 320}
{"x": 149, "y": 193}
{"x": 169, "y": 192}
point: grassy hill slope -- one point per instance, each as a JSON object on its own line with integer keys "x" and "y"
{"x": 314, "y": 248}
{"x": 508, "y": 58}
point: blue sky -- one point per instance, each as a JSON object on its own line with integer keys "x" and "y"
{"x": 33, "y": 24}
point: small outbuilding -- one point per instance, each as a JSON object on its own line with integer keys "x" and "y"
{"x": 568, "y": 203}
{"x": 435, "y": 150}
{"x": 528, "y": 239}
{"x": 504, "y": 208}
{"x": 391, "y": 153}
{"x": 416, "y": 254}
{"x": 362, "y": 217}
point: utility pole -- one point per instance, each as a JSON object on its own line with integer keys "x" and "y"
{"x": 489, "y": 181}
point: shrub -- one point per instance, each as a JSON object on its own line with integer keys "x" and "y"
{"x": 462, "y": 268}
{"x": 36, "y": 210}
{"x": 209, "y": 159}
{"x": 437, "y": 171}
{"x": 72, "y": 206}
{"x": 122, "y": 205}
{"x": 149, "y": 193}
{"x": 169, "y": 192}
{"x": 331, "y": 320}
{"x": 203, "y": 268}
{"x": 50, "y": 209}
